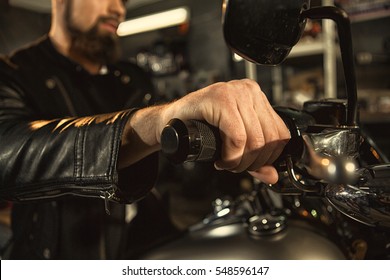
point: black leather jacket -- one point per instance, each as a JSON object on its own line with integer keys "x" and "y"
{"x": 59, "y": 140}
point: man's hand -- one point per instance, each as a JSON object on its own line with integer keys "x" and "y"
{"x": 252, "y": 134}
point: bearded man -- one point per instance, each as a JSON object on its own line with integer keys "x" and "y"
{"x": 74, "y": 72}
{"x": 72, "y": 150}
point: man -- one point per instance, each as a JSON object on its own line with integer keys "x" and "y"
{"x": 63, "y": 135}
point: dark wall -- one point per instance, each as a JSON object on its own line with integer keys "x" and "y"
{"x": 373, "y": 37}
{"x": 19, "y": 26}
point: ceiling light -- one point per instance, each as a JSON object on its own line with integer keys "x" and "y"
{"x": 154, "y": 21}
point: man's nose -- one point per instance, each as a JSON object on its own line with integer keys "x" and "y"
{"x": 117, "y": 7}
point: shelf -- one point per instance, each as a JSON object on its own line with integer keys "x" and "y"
{"x": 322, "y": 46}
{"x": 371, "y": 15}
{"x": 307, "y": 48}
{"x": 364, "y": 10}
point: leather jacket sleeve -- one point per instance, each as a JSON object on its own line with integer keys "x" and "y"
{"x": 43, "y": 159}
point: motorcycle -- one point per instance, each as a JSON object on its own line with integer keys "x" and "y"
{"x": 332, "y": 200}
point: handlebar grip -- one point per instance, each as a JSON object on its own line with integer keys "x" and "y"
{"x": 195, "y": 140}
{"x": 191, "y": 140}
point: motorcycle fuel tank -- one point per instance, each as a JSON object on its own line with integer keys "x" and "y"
{"x": 236, "y": 241}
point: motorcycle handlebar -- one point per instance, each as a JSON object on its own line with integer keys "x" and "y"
{"x": 195, "y": 140}
{"x": 327, "y": 160}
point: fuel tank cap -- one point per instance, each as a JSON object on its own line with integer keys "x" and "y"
{"x": 266, "y": 224}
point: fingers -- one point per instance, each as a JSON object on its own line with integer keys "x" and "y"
{"x": 275, "y": 133}
{"x": 251, "y": 137}
{"x": 252, "y": 134}
{"x": 270, "y": 134}
{"x": 266, "y": 174}
{"x": 236, "y": 126}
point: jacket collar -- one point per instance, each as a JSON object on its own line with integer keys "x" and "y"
{"x": 64, "y": 61}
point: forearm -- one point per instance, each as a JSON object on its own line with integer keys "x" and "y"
{"x": 140, "y": 136}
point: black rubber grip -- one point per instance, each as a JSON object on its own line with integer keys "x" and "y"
{"x": 190, "y": 140}
{"x": 195, "y": 140}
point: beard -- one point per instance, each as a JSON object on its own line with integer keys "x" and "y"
{"x": 96, "y": 47}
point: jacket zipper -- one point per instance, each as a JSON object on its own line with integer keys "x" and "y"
{"x": 106, "y": 193}
{"x": 65, "y": 96}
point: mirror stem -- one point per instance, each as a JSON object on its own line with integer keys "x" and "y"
{"x": 345, "y": 37}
